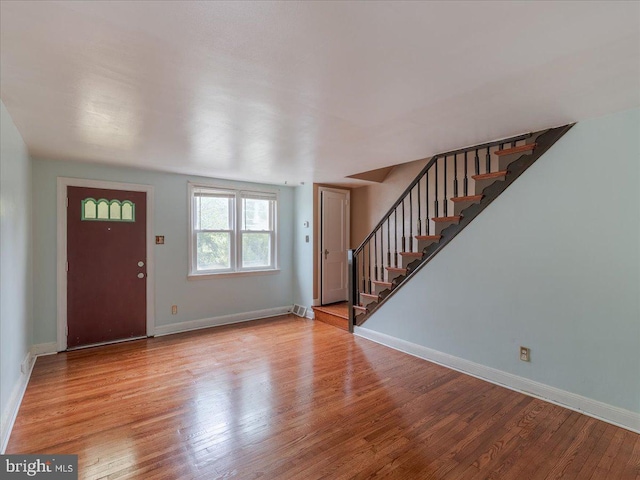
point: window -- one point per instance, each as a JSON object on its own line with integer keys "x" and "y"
{"x": 108, "y": 211}
{"x": 232, "y": 230}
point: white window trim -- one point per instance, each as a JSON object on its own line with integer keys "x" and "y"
{"x": 236, "y": 244}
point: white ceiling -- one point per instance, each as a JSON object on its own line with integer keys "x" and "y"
{"x": 305, "y": 91}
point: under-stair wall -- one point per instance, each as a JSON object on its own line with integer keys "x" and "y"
{"x": 554, "y": 265}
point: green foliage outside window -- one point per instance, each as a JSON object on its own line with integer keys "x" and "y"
{"x": 213, "y": 251}
{"x": 256, "y": 249}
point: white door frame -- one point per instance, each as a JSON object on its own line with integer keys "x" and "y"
{"x": 321, "y": 226}
{"x": 63, "y": 183}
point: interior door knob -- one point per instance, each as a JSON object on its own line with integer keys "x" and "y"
{"x": 141, "y": 275}
{"x": 141, "y": 263}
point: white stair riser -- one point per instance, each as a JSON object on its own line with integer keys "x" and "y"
{"x": 459, "y": 206}
{"x": 480, "y": 185}
{"x": 440, "y": 226}
{"x": 392, "y": 274}
{"x": 407, "y": 260}
{"x": 505, "y": 160}
{"x": 365, "y": 300}
{"x": 422, "y": 244}
{"x": 357, "y": 312}
{"x": 377, "y": 289}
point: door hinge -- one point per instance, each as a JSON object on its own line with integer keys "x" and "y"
{"x": 67, "y": 202}
{"x": 66, "y": 266}
{"x": 66, "y": 330}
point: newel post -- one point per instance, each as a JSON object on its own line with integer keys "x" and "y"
{"x": 353, "y": 272}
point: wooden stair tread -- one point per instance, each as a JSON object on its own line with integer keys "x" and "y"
{"x": 428, "y": 237}
{"x": 396, "y": 269}
{"x": 359, "y": 307}
{"x": 382, "y": 284}
{"x": 340, "y": 310}
{"x": 336, "y": 315}
{"x": 484, "y": 176}
{"x": 521, "y": 148}
{"x": 468, "y": 198}
{"x": 411, "y": 254}
{"x": 370, "y": 295}
{"x": 455, "y": 218}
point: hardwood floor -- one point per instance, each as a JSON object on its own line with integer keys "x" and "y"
{"x": 294, "y": 399}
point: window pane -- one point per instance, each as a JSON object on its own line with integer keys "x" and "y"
{"x": 256, "y": 250}
{"x": 213, "y": 213}
{"x": 255, "y": 214}
{"x": 214, "y": 250}
{"x": 89, "y": 206}
{"x": 115, "y": 210}
{"x": 103, "y": 209}
{"x": 128, "y": 211}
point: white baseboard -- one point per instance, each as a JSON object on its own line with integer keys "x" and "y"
{"x": 11, "y": 410}
{"x": 26, "y": 367}
{"x": 222, "y": 320}
{"x": 593, "y": 408}
{"x": 44, "y": 349}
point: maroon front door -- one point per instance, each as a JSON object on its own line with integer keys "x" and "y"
{"x": 107, "y": 271}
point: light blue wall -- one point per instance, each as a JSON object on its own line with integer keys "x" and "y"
{"x": 303, "y": 250}
{"x": 552, "y": 264}
{"x": 15, "y": 260}
{"x": 196, "y": 299}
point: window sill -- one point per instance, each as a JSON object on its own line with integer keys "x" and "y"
{"x": 248, "y": 273}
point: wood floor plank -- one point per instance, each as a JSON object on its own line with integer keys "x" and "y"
{"x": 288, "y": 398}
{"x": 632, "y": 468}
{"x": 607, "y": 462}
{"x": 594, "y": 458}
{"x": 623, "y": 456}
{"x": 572, "y": 458}
{"x": 528, "y": 438}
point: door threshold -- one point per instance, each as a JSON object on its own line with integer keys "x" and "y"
{"x": 122, "y": 340}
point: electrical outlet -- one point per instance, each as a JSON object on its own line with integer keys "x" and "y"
{"x": 174, "y": 309}
{"x": 525, "y": 354}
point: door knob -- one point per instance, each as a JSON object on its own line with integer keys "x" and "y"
{"x": 141, "y": 275}
{"x": 141, "y": 263}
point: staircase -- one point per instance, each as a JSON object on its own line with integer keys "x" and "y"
{"x": 450, "y": 191}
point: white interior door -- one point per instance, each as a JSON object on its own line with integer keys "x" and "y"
{"x": 334, "y": 244}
